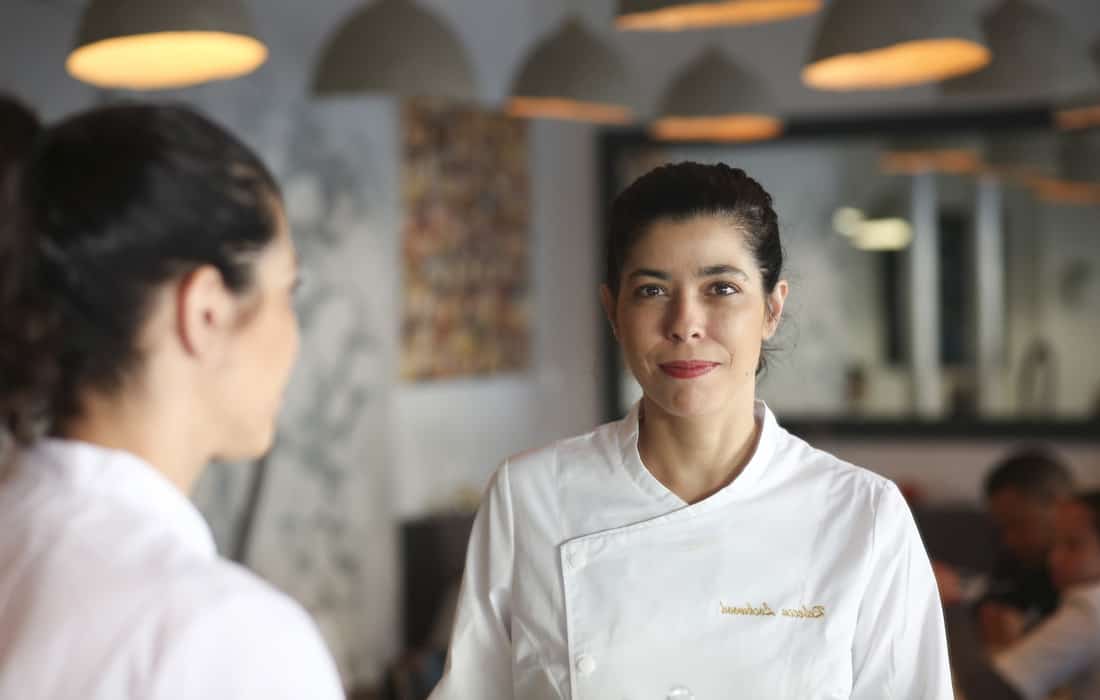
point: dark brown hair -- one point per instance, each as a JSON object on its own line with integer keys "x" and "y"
{"x": 1034, "y": 471}
{"x": 111, "y": 204}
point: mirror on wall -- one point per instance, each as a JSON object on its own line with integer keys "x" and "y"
{"x": 937, "y": 274}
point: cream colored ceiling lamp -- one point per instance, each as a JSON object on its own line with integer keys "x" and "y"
{"x": 572, "y": 75}
{"x": 1082, "y": 112}
{"x": 931, "y": 153}
{"x": 1079, "y": 113}
{"x": 881, "y": 44}
{"x": 162, "y": 44}
{"x": 1078, "y": 182}
{"x": 677, "y": 15}
{"x": 1022, "y": 159}
{"x": 1033, "y": 52}
{"x": 394, "y": 47}
{"x": 714, "y": 99}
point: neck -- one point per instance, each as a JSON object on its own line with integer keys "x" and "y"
{"x": 160, "y": 438}
{"x": 697, "y": 456}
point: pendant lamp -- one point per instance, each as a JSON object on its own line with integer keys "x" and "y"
{"x": 880, "y": 44}
{"x": 676, "y": 15}
{"x": 1032, "y": 50}
{"x": 1082, "y": 112}
{"x": 394, "y": 47}
{"x": 162, "y": 44}
{"x": 932, "y": 154}
{"x": 1022, "y": 159}
{"x": 714, "y": 99}
{"x": 572, "y": 75}
{"x": 1078, "y": 182}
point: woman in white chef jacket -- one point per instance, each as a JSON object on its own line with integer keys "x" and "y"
{"x": 146, "y": 322}
{"x": 694, "y": 549}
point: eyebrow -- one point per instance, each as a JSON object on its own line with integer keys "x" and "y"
{"x": 716, "y": 270}
{"x": 646, "y": 272}
{"x": 709, "y": 271}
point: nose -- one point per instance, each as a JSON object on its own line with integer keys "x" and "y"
{"x": 686, "y": 319}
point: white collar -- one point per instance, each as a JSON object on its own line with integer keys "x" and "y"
{"x": 740, "y": 487}
{"x": 124, "y": 478}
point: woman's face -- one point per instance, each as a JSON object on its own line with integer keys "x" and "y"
{"x": 260, "y": 355}
{"x": 691, "y": 315}
{"x": 1075, "y": 559}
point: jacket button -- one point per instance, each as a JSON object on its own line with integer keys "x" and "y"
{"x": 586, "y": 664}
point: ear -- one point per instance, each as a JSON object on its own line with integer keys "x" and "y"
{"x": 205, "y": 312}
{"x": 608, "y": 301}
{"x": 773, "y": 312}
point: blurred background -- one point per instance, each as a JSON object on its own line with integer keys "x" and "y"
{"x": 447, "y": 166}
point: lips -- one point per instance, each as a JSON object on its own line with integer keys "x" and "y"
{"x": 687, "y": 369}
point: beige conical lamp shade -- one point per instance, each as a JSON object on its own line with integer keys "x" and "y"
{"x": 912, "y": 155}
{"x": 394, "y": 47}
{"x": 714, "y": 99}
{"x": 572, "y": 75}
{"x": 1022, "y": 159}
{"x": 1033, "y": 50}
{"x": 676, "y": 15}
{"x": 1083, "y": 111}
{"x": 1078, "y": 181}
{"x": 879, "y": 44}
{"x": 162, "y": 44}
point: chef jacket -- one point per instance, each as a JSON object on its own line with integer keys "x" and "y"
{"x": 111, "y": 589}
{"x": 587, "y": 579}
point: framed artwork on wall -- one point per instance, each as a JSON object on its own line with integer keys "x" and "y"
{"x": 466, "y": 197}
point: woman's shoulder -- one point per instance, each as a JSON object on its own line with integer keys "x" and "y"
{"x": 601, "y": 445}
{"x": 808, "y": 461}
{"x": 223, "y": 619}
{"x": 156, "y": 577}
{"x": 588, "y": 462}
{"x": 221, "y": 605}
{"x": 225, "y": 591}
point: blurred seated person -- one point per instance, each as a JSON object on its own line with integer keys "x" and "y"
{"x": 1063, "y": 652}
{"x": 1022, "y": 493}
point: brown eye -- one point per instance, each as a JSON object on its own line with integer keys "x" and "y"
{"x": 724, "y": 289}
{"x": 649, "y": 290}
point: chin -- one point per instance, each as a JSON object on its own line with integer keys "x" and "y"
{"x": 692, "y": 406}
{"x": 248, "y": 445}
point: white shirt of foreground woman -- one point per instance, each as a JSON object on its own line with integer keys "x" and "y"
{"x": 587, "y": 579}
{"x": 110, "y": 589}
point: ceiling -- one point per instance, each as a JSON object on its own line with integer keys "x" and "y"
{"x": 776, "y": 52}
{"x": 498, "y": 33}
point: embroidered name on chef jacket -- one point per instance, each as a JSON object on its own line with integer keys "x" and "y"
{"x": 749, "y": 610}
{"x": 811, "y": 612}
